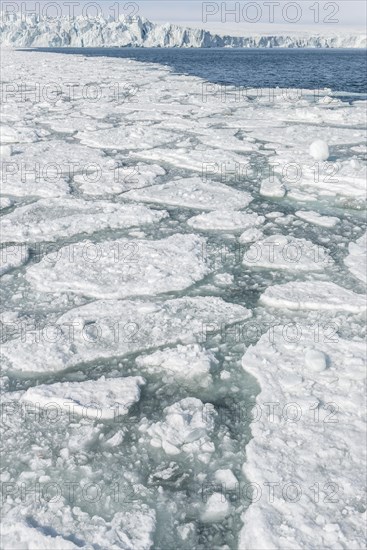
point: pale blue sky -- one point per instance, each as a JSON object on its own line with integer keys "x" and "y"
{"x": 346, "y": 12}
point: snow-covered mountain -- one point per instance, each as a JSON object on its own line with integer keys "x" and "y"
{"x": 32, "y": 31}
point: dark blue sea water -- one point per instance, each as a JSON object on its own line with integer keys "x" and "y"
{"x": 340, "y": 70}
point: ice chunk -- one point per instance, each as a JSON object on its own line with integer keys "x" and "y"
{"x": 272, "y": 187}
{"x": 12, "y": 257}
{"x": 184, "y": 363}
{"x": 186, "y": 428}
{"x": 317, "y": 219}
{"x": 251, "y": 235}
{"x": 103, "y": 398}
{"x": 315, "y": 360}
{"x": 319, "y": 150}
{"x": 51, "y": 219}
{"x": 225, "y": 220}
{"x": 216, "y": 509}
{"x": 121, "y": 268}
{"x": 356, "y": 261}
{"x": 314, "y": 295}
{"x": 106, "y": 329}
{"x": 286, "y": 252}
{"x": 134, "y": 528}
{"x": 193, "y": 193}
{"x": 227, "y": 478}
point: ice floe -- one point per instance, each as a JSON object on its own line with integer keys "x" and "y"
{"x": 193, "y": 193}
{"x": 225, "y": 220}
{"x": 288, "y": 253}
{"x": 122, "y": 268}
{"x": 104, "y": 399}
{"x": 314, "y": 295}
{"x": 272, "y": 187}
{"x": 317, "y": 219}
{"x": 52, "y": 219}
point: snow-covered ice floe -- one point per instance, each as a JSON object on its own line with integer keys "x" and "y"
{"x": 193, "y": 193}
{"x": 314, "y": 295}
{"x": 302, "y": 445}
{"x": 287, "y": 253}
{"x": 317, "y": 219}
{"x": 122, "y": 268}
{"x": 223, "y": 220}
{"x": 51, "y": 219}
{"x": 104, "y": 399}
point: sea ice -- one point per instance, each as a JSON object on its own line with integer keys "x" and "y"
{"x": 314, "y": 295}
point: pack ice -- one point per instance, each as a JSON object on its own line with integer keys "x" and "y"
{"x": 146, "y": 238}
